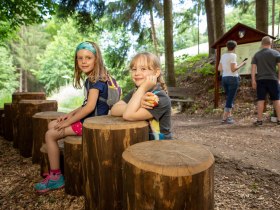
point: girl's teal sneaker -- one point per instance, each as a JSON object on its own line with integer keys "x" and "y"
{"x": 48, "y": 184}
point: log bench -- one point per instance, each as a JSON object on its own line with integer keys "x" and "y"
{"x": 40, "y": 123}
{"x": 16, "y": 98}
{"x": 28, "y": 108}
{"x": 2, "y": 123}
{"x": 8, "y": 128}
{"x": 73, "y": 173}
{"x": 182, "y": 96}
{"x": 168, "y": 175}
{"x": 104, "y": 140}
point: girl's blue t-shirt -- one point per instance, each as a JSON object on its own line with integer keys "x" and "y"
{"x": 101, "y": 106}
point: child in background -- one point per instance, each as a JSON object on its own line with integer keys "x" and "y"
{"x": 89, "y": 64}
{"x": 149, "y": 101}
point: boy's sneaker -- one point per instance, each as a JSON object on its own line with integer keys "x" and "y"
{"x": 50, "y": 184}
{"x": 258, "y": 123}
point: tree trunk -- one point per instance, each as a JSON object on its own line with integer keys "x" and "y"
{"x": 219, "y": 18}
{"x": 168, "y": 43}
{"x": 209, "y": 6}
{"x": 273, "y": 16}
{"x": 40, "y": 123}
{"x": 73, "y": 165}
{"x": 28, "y": 108}
{"x": 104, "y": 140}
{"x": 168, "y": 175}
{"x": 153, "y": 30}
{"x": 16, "y": 98}
{"x": 8, "y": 132}
{"x": 262, "y": 15}
{"x": 2, "y": 123}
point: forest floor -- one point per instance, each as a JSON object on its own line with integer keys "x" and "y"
{"x": 247, "y": 158}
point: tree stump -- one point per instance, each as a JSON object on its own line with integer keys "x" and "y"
{"x": 8, "y": 132}
{"x": 104, "y": 140}
{"x": 40, "y": 123}
{"x": 44, "y": 161}
{"x": 2, "y": 123}
{"x": 27, "y": 109}
{"x": 16, "y": 98}
{"x": 168, "y": 175}
{"x": 72, "y": 165}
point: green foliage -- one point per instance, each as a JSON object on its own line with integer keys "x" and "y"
{"x": 189, "y": 64}
{"x": 8, "y": 75}
{"x": 5, "y": 98}
{"x": 57, "y": 62}
{"x": 24, "y": 12}
{"x": 72, "y": 102}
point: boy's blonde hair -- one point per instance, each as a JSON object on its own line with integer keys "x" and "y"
{"x": 152, "y": 62}
{"x": 99, "y": 72}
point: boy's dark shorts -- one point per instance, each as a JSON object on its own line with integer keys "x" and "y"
{"x": 271, "y": 87}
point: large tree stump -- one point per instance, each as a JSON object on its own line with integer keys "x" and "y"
{"x": 44, "y": 161}
{"x": 40, "y": 123}
{"x": 16, "y": 98}
{"x": 104, "y": 140}
{"x": 27, "y": 109}
{"x": 168, "y": 175}
{"x": 2, "y": 123}
{"x": 8, "y": 128}
{"x": 72, "y": 165}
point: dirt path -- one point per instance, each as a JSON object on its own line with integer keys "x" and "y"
{"x": 241, "y": 142}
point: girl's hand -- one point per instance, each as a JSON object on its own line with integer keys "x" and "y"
{"x": 62, "y": 118}
{"x": 149, "y": 100}
{"x": 150, "y": 82}
{"x": 60, "y": 125}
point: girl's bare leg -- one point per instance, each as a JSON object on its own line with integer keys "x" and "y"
{"x": 51, "y": 137}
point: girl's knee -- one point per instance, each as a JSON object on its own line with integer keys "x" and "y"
{"x": 52, "y": 124}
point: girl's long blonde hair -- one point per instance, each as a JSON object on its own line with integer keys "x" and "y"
{"x": 153, "y": 63}
{"x": 99, "y": 72}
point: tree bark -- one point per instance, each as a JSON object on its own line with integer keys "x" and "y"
{"x": 153, "y": 30}
{"x": 262, "y": 15}
{"x": 104, "y": 140}
{"x": 209, "y": 7}
{"x": 2, "y": 122}
{"x": 168, "y": 42}
{"x": 73, "y": 165}
{"x": 16, "y": 98}
{"x": 8, "y": 132}
{"x": 40, "y": 123}
{"x": 219, "y": 18}
{"x": 28, "y": 108}
{"x": 168, "y": 175}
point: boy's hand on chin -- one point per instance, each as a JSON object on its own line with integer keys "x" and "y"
{"x": 150, "y": 82}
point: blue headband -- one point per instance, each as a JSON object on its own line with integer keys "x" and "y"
{"x": 86, "y": 46}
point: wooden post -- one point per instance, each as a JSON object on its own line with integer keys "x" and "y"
{"x": 27, "y": 109}
{"x": 16, "y": 98}
{"x": 40, "y": 123}
{"x": 104, "y": 140}
{"x": 73, "y": 173}
{"x": 168, "y": 175}
{"x": 2, "y": 123}
{"x": 8, "y": 132}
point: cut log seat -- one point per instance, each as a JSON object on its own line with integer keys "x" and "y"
{"x": 72, "y": 165}
{"x": 168, "y": 175}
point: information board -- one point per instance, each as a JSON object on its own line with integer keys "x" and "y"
{"x": 245, "y": 51}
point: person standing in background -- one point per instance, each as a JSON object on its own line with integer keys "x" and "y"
{"x": 266, "y": 80}
{"x": 230, "y": 79}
